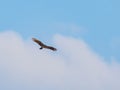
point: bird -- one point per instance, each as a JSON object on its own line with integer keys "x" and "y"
{"x": 43, "y": 45}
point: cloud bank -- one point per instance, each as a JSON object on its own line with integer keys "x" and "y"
{"x": 75, "y": 66}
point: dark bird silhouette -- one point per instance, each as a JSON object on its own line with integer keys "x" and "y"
{"x": 43, "y": 45}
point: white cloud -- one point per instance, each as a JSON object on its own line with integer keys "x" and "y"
{"x": 73, "y": 67}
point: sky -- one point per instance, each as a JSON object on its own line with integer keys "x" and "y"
{"x": 85, "y": 32}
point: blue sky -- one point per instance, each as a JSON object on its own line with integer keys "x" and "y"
{"x": 92, "y": 23}
{"x": 37, "y": 18}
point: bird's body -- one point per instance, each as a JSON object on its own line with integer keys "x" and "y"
{"x": 43, "y": 45}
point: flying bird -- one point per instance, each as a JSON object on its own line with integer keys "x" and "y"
{"x": 43, "y": 45}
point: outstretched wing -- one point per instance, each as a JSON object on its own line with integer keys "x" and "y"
{"x": 38, "y": 42}
{"x": 51, "y": 48}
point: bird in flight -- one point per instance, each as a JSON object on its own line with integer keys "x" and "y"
{"x": 43, "y": 45}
